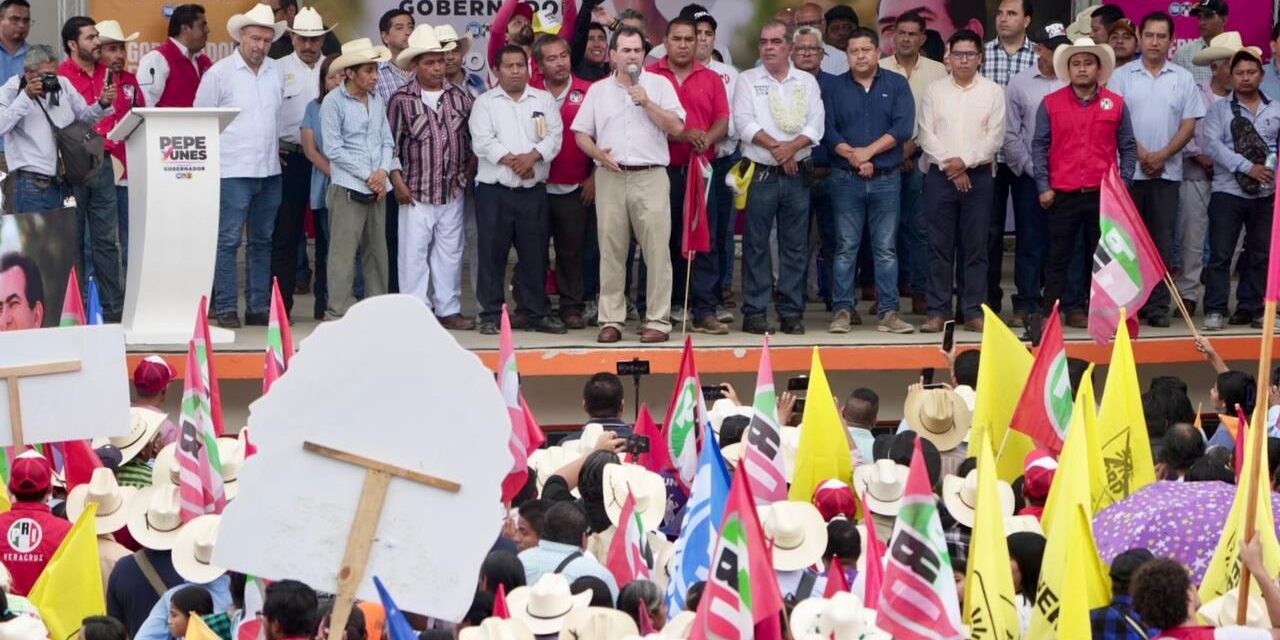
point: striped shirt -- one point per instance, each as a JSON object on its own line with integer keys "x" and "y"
{"x": 433, "y": 145}
{"x": 135, "y": 473}
{"x": 390, "y": 79}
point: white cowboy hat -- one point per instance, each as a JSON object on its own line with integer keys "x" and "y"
{"x": 109, "y": 31}
{"x": 679, "y": 626}
{"x": 104, "y": 491}
{"x": 545, "y": 462}
{"x": 193, "y": 550}
{"x": 723, "y": 408}
{"x": 166, "y": 470}
{"x": 598, "y": 622}
{"x": 1221, "y": 611}
{"x": 1022, "y": 524}
{"x": 1082, "y": 26}
{"x": 231, "y": 453}
{"x": 647, "y": 487}
{"x": 144, "y": 424}
{"x": 939, "y": 415}
{"x": 798, "y": 533}
{"x": 546, "y": 604}
{"x": 842, "y": 616}
{"x": 155, "y": 516}
{"x": 586, "y": 442}
{"x": 445, "y": 33}
{"x": 422, "y": 40}
{"x": 1105, "y": 54}
{"x": 733, "y": 453}
{"x": 260, "y": 15}
{"x": 23, "y": 627}
{"x": 883, "y": 484}
{"x": 497, "y": 629}
{"x": 359, "y": 51}
{"x": 960, "y": 495}
{"x": 308, "y": 24}
{"x": 790, "y": 437}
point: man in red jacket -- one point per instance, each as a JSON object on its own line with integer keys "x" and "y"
{"x": 31, "y": 532}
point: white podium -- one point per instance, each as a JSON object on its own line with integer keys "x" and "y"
{"x": 174, "y": 189}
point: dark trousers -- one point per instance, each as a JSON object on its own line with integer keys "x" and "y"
{"x": 393, "y": 243}
{"x": 569, "y": 232}
{"x": 1157, "y": 201}
{"x": 506, "y": 216}
{"x": 96, "y": 207}
{"x": 1031, "y": 227}
{"x": 705, "y": 280}
{"x": 1073, "y": 213}
{"x": 775, "y": 197}
{"x": 678, "y": 177}
{"x": 1228, "y": 214}
{"x": 296, "y": 177}
{"x": 723, "y": 214}
{"x": 1000, "y": 188}
{"x": 958, "y": 228}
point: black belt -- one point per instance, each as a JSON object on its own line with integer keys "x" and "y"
{"x": 640, "y": 167}
{"x": 875, "y": 173}
{"x": 535, "y": 187}
{"x": 289, "y": 147}
{"x": 40, "y": 176}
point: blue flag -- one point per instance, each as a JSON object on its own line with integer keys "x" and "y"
{"x": 691, "y": 558}
{"x": 397, "y": 626}
{"x": 95, "y": 303}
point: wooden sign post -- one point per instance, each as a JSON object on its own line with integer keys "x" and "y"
{"x": 11, "y": 376}
{"x": 373, "y": 495}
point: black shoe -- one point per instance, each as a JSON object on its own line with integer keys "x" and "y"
{"x": 257, "y": 319}
{"x": 547, "y": 324}
{"x": 111, "y": 318}
{"x": 489, "y": 328}
{"x": 792, "y": 326}
{"x": 1240, "y": 317}
{"x": 228, "y": 321}
{"x": 758, "y": 325}
{"x": 1158, "y": 320}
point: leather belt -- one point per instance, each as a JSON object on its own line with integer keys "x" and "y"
{"x": 289, "y": 147}
{"x": 639, "y": 167}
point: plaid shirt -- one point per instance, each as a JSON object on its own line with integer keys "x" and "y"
{"x": 1118, "y": 621}
{"x": 1000, "y": 67}
{"x": 957, "y": 537}
{"x": 390, "y": 79}
{"x": 434, "y": 146}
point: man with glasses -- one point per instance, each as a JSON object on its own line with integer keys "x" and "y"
{"x": 833, "y": 60}
{"x": 15, "y": 24}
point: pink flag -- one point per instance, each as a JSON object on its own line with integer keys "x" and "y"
{"x": 273, "y": 371}
{"x": 279, "y": 333}
{"x": 204, "y": 354}
{"x": 526, "y": 436}
{"x": 874, "y": 566}
{"x": 626, "y": 557}
{"x": 1126, "y": 264}
{"x": 762, "y": 451}
{"x": 72, "y": 306}
{"x": 500, "y": 609}
{"x": 197, "y": 448}
{"x": 837, "y": 581}
{"x": 80, "y": 461}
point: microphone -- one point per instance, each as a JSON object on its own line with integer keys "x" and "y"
{"x": 633, "y": 70}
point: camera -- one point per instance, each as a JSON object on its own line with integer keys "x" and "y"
{"x": 636, "y": 444}
{"x": 49, "y": 87}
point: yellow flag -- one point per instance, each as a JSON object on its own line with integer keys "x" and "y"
{"x": 1078, "y": 467}
{"x": 1223, "y": 573}
{"x": 1073, "y": 612}
{"x": 197, "y": 629}
{"x": 824, "y": 444}
{"x": 1125, "y": 449}
{"x": 1002, "y": 373}
{"x": 1069, "y": 495}
{"x": 70, "y": 587}
{"x": 989, "y": 606}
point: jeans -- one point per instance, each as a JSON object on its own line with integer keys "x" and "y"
{"x": 775, "y": 196}
{"x": 1157, "y": 201}
{"x": 288, "y": 231}
{"x": 1000, "y": 188}
{"x": 96, "y": 207}
{"x": 1227, "y": 215}
{"x": 1031, "y": 227}
{"x": 858, "y": 203}
{"x": 724, "y": 214}
{"x": 33, "y": 194}
{"x": 320, "y": 282}
{"x": 913, "y": 243}
{"x": 251, "y": 203}
{"x": 958, "y": 231}
{"x": 1073, "y": 214}
{"x": 122, "y": 227}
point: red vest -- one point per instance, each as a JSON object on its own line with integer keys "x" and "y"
{"x": 1084, "y": 138}
{"x": 180, "y": 88}
{"x": 31, "y": 536}
{"x": 571, "y": 165}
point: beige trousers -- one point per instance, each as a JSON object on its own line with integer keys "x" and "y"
{"x": 639, "y": 201}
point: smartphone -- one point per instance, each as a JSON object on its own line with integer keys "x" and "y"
{"x": 937, "y": 385}
{"x": 712, "y": 392}
{"x": 798, "y": 383}
{"x": 636, "y": 444}
{"x": 948, "y": 335}
{"x": 926, "y": 376}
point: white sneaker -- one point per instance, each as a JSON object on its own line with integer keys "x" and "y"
{"x": 723, "y": 314}
{"x": 1213, "y": 322}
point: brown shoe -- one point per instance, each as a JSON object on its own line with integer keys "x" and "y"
{"x": 1078, "y": 320}
{"x": 457, "y": 322}
{"x": 652, "y": 335}
{"x": 932, "y": 324}
{"x": 609, "y": 335}
{"x": 975, "y": 325}
{"x": 919, "y": 305}
{"x": 1019, "y": 321}
{"x": 519, "y": 319}
{"x": 574, "y": 321}
{"x": 709, "y": 324}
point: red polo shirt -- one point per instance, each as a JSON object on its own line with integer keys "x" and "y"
{"x": 703, "y": 96}
{"x": 31, "y": 535}
{"x": 128, "y": 96}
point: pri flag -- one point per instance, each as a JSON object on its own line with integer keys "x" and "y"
{"x": 695, "y": 236}
{"x": 691, "y": 555}
{"x": 874, "y": 566}
{"x": 686, "y": 415}
{"x": 762, "y": 452}
{"x": 526, "y": 436}
{"x": 197, "y": 450}
{"x": 1126, "y": 449}
{"x": 1002, "y": 373}
{"x": 1126, "y": 264}
{"x": 204, "y": 354}
{"x": 279, "y": 334}
{"x": 918, "y": 599}
{"x": 989, "y": 606}
{"x": 1044, "y": 410}
{"x": 627, "y": 552}
{"x": 742, "y": 599}
{"x": 72, "y": 307}
{"x": 837, "y": 579}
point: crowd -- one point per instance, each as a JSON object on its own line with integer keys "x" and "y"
{"x": 859, "y": 165}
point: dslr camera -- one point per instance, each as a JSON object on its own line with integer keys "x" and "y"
{"x": 49, "y": 86}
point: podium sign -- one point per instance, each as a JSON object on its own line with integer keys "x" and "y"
{"x": 174, "y": 191}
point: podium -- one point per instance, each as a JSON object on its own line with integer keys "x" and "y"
{"x": 174, "y": 191}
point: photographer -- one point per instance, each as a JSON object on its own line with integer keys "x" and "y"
{"x": 30, "y": 147}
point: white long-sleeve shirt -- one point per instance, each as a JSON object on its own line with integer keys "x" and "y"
{"x": 962, "y": 122}
{"x": 250, "y": 148}
{"x": 501, "y": 125}
{"x": 29, "y": 144}
{"x": 797, "y": 93}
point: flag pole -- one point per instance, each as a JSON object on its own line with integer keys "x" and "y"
{"x": 1177, "y": 299}
{"x": 1251, "y": 510}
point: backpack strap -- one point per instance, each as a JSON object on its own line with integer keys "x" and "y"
{"x": 149, "y": 572}
{"x": 567, "y": 561}
{"x": 807, "y": 581}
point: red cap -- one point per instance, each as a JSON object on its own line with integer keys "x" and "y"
{"x": 524, "y": 9}
{"x": 31, "y": 473}
{"x": 152, "y": 375}
{"x": 1038, "y": 476}
{"x": 835, "y": 498}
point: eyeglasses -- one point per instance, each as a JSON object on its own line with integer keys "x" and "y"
{"x": 19, "y": 20}
{"x": 809, "y": 23}
{"x": 964, "y": 55}
{"x": 808, "y": 50}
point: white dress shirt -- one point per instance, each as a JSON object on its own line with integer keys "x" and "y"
{"x": 153, "y": 71}
{"x": 834, "y": 61}
{"x": 250, "y": 148}
{"x": 501, "y": 125}
{"x": 615, "y": 122}
{"x": 751, "y": 110}
{"x": 729, "y": 74}
{"x": 28, "y": 141}
{"x": 301, "y": 86}
{"x": 962, "y": 122}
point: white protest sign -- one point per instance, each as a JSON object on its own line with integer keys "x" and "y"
{"x": 386, "y": 384}
{"x": 69, "y": 383}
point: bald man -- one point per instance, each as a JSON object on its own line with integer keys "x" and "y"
{"x": 834, "y": 61}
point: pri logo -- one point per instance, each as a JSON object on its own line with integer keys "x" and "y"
{"x": 25, "y": 535}
{"x": 183, "y": 148}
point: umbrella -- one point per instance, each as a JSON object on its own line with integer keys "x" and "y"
{"x": 1179, "y": 520}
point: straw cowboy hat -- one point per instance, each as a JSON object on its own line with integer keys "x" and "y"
{"x": 155, "y": 516}
{"x": 545, "y": 462}
{"x": 260, "y": 15}
{"x": 1082, "y": 26}
{"x": 166, "y": 469}
{"x": 193, "y": 550}
{"x": 144, "y": 424}
{"x": 598, "y": 622}
{"x": 1221, "y": 47}
{"x": 422, "y": 40}
{"x": 1022, "y": 524}
{"x": 446, "y": 34}
{"x": 231, "y": 453}
{"x": 546, "y": 604}
{"x": 883, "y": 484}
{"x": 309, "y": 24}
{"x": 359, "y": 51}
{"x": 939, "y": 415}
{"x": 732, "y": 454}
{"x": 790, "y": 437}
{"x": 647, "y": 487}
{"x": 798, "y": 534}
{"x": 104, "y": 491}
{"x": 679, "y": 626}
{"x": 586, "y": 442}
{"x": 109, "y": 31}
{"x": 961, "y": 497}
{"x": 1105, "y": 54}
{"x": 497, "y": 629}
{"x": 1221, "y": 611}
{"x": 723, "y": 408}
{"x": 842, "y": 616}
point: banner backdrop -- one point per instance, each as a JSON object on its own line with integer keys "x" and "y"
{"x": 51, "y": 239}
{"x": 1252, "y": 18}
